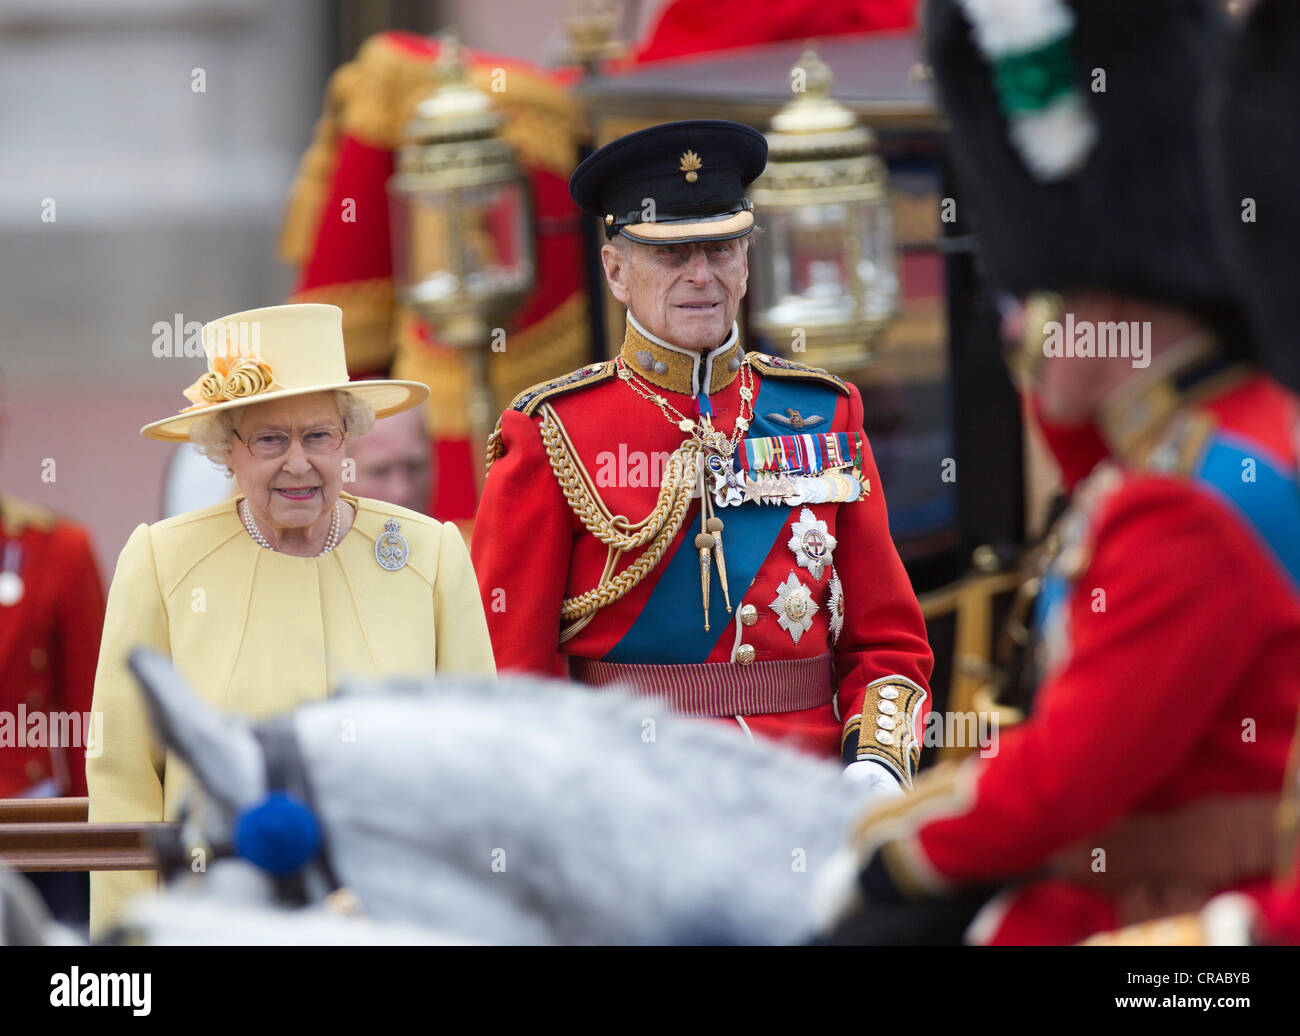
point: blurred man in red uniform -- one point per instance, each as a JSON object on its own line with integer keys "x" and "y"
{"x": 51, "y": 617}
{"x": 775, "y": 596}
{"x": 1169, "y": 629}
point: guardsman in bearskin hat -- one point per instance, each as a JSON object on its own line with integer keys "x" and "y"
{"x": 1253, "y": 144}
{"x": 1169, "y": 627}
{"x": 700, "y": 522}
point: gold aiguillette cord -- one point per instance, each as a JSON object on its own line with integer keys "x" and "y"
{"x": 714, "y": 526}
{"x": 709, "y": 542}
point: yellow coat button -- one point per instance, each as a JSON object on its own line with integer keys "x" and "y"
{"x": 745, "y": 654}
{"x": 748, "y": 614}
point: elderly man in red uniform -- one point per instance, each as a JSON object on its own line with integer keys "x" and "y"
{"x": 698, "y": 522}
{"x": 1169, "y": 626}
{"x": 51, "y": 616}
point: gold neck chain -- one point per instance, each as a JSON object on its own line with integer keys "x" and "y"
{"x": 715, "y": 442}
{"x": 702, "y": 430}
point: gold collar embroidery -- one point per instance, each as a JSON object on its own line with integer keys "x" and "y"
{"x": 1134, "y": 419}
{"x": 680, "y": 370}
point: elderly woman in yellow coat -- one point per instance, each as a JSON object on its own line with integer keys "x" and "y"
{"x": 272, "y": 598}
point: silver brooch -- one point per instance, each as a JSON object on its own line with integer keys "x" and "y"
{"x": 794, "y": 607}
{"x": 836, "y": 606}
{"x": 812, "y": 543}
{"x": 391, "y": 549}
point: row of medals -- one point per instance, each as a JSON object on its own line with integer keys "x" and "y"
{"x": 811, "y": 543}
{"x": 733, "y": 486}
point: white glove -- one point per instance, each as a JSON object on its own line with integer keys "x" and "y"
{"x": 875, "y": 782}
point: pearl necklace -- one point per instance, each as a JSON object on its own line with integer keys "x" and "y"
{"x": 246, "y": 516}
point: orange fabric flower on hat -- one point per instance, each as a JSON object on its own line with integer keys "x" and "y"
{"x": 237, "y": 373}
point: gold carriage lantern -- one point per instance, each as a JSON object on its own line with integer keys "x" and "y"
{"x": 826, "y": 282}
{"x": 463, "y": 250}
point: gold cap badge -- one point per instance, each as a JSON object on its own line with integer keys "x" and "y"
{"x": 690, "y": 163}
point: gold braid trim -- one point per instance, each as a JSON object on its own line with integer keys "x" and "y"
{"x": 495, "y": 447}
{"x": 378, "y": 91}
{"x": 885, "y": 735}
{"x": 658, "y": 529}
{"x": 311, "y": 186}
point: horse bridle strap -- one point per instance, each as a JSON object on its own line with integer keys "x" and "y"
{"x": 285, "y": 773}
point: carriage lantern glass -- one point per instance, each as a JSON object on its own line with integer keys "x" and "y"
{"x": 461, "y": 223}
{"x": 826, "y": 281}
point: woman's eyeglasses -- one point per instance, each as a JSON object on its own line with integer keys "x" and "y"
{"x": 270, "y": 445}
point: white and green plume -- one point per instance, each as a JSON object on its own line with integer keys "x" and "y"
{"x": 1027, "y": 44}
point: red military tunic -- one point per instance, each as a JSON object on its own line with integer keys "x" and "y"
{"x": 531, "y": 551}
{"x": 1146, "y": 778}
{"x": 49, "y": 646}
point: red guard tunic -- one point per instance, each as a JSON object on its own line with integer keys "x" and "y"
{"x": 1147, "y": 778}
{"x": 51, "y": 617}
{"x": 532, "y": 551}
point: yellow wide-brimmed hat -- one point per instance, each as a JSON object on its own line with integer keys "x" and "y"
{"x": 271, "y": 353}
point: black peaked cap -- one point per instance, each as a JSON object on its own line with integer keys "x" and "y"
{"x": 694, "y": 172}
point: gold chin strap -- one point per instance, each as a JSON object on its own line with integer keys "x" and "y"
{"x": 620, "y": 534}
{"x": 1040, "y": 309}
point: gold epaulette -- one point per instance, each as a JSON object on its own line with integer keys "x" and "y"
{"x": 1178, "y": 449}
{"x": 530, "y": 399}
{"x": 18, "y": 515}
{"x": 780, "y": 367}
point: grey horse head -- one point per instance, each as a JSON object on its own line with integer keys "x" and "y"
{"x": 520, "y": 811}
